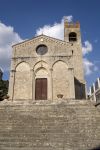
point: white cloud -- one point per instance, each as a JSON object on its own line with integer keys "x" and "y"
{"x": 56, "y": 30}
{"x": 89, "y": 67}
{"x": 7, "y": 38}
{"x": 68, "y": 18}
{"x": 87, "y": 47}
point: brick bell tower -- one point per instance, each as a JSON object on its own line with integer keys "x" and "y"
{"x": 72, "y": 35}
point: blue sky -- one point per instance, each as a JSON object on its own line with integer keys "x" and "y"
{"x": 20, "y": 19}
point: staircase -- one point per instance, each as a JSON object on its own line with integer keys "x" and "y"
{"x": 47, "y": 125}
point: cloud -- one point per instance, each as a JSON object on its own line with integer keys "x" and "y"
{"x": 56, "y": 30}
{"x": 89, "y": 67}
{"x": 8, "y": 37}
{"x": 87, "y": 48}
{"x": 68, "y": 18}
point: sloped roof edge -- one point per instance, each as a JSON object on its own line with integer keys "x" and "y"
{"x": 42, "y": 35}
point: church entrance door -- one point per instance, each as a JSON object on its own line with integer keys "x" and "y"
{"x": 41, "y": 89}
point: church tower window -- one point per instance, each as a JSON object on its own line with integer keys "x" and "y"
{"x": 72, "y": 37}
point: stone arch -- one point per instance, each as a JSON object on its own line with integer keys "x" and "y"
{"x": 58, "y": 62}
{"x": 23, "y": 82}
{"x": 60, "y": 80}
{"x": 42, "y": 71}
{"x": 41, "y": 64}
{"x": 22, "y": 66}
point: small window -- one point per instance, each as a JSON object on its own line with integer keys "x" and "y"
{"x": 72, "y": 37}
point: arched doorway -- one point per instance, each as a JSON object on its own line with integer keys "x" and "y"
{"x": 41, "y": 84}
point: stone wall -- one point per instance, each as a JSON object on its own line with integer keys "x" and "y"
{"x": 60, "y": 65}
{"x": 58, "y": 52}
{"x": 23, "y": 82}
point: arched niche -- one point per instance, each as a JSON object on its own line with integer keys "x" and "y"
{"x": 60, "y": 80}
{"x": 23, "y": 82}
{"x": 23, "y": 67}
{"x": 41, "y": 72}
{"x": 41, "y": 64}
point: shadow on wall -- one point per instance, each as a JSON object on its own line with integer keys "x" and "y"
{"x": 96, "y": 148}
{"x": 4, "y": 89}
{"x": 79, "y": 89}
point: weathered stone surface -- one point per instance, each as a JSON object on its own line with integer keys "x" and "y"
{"x": 61, "y": 65}
{"x": 46, "y": 125}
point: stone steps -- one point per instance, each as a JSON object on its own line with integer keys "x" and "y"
{"x": 63, "y": 125}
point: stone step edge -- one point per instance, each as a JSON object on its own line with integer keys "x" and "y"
{"x": 47, "y": 102}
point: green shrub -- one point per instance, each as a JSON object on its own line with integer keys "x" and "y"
{"x": 3, "y": 89}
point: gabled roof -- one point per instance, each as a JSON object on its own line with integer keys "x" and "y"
{"x": 40, "y": 36}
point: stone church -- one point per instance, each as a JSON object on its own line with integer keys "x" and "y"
{"x": 46, "y": 78}
{"x": 46, "y": 68}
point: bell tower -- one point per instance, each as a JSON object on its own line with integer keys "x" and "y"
{"x": 72, "y": 32}
{"x": 72, "y": 36}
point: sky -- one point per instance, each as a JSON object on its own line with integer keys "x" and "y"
{"x": 24, "y": 19}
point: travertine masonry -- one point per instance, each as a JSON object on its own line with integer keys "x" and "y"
{"x": 58, "y": 62}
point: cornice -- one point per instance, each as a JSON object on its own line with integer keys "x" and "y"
{"x": 41, "y": 39}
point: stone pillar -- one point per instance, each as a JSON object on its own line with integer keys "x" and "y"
{"x": 71, "y": 83}
{"x": 51, "y": 85}
{"x": 85, "y": 90}
{"x": 31, "y": 72}
{"x": 94, "y": 92}
{"x": 12, "y": 84}
{"x": 98, "y": 82}
{"x": 33, "y": 85}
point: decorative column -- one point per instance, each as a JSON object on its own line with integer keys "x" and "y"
{"x": 33, "y": 85}
{"x": 98, "y": 79}
{"x": 94, "y": 92}
{"x": 71, "y": 83}
{"x": 12, "y": 84}
{"x": 51, "y": 85}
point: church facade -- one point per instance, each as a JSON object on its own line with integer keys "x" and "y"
{"x": 45, "y": 68}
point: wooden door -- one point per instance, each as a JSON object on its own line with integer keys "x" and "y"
{"x": 41, "y": 89}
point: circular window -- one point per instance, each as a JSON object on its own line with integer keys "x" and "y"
{"x": 41, "y": 49}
